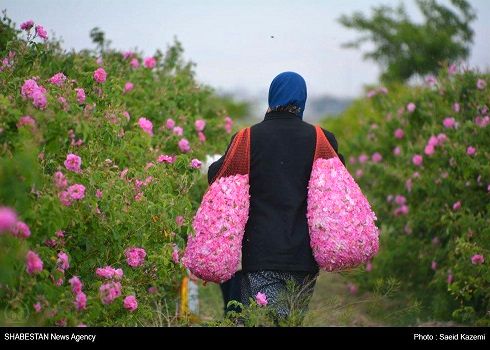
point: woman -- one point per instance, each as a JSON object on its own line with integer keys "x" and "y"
{"x": 276, "y": 255}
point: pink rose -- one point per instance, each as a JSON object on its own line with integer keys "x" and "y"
{"x": 175, "y": 254}
{"x": 146, "y": 125}
{"x": 456, "y": 107}
{"x": 400, "y": 200}
{"x": 76, "y": 285}
{"x": 471, "y": 151}
{"x": 150, "y": 62}
{"x": 477, "y": 259}
{"x": 58, "y": 79}
{"x": 411, "y": 107}
{"x": 80, "y": 301}
{"x": 134, "y": 63}
{"x": 170, "y": 123}
{"x": 201, "y": 136}
{"x": 363, "y": 158}
{"x": 135, "y": 256}
{"x": 34, "y": 263}
{"x": 417, "y": 160}
{"x": 21, "y": 230}
{"x": 128, "y": 86}
{"x": 39, "y": 99}
{"x": 184, "y": 146}
{"x": 62, "y": 261}
{"x": 449, "y": 123}
{"x": 164, "y": 158}
{"x": 481, "y": 84}
{"x": 397, "y": 151}
{"x": 457, "y": 205}
{"x": 76, "y": 192}
{"x": 200, "y": 124}
{"x": 27, "y": 25}
{"x": 195, "y": 164}
{"x": 37, "y": 307}
{"x": 179, "y": 220}
{"x": 100, "y": 75}
{"x": 8, "y": 218}
{"x": 376, "y": 157}
{"x": 431, "y": 80}
{"x": 41, "y": 32}
{"x": 429, "y": 150}
{"x": 109, "y": 292}
{"x": 261, "y": 299}
{"x": 109, "y": 272}
{"x": 399, "y": 133}
{"x": 177, "y": 130}
{"x": 130, "y": 303}
{"x": 80, "y": 95}
{"x": 73, "y": 163}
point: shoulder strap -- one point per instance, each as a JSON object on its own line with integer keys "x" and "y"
{"x": 237, "y": 159}
{"x": 323, "y": 149}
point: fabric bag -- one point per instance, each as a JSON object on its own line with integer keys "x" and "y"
{"x": 343, "y": 233}
{"x": 213, "y": 253}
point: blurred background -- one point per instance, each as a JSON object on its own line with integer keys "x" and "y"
{"x": 240, "y": 46}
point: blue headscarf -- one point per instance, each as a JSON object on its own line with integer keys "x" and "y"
{"x": 288, "y": 89}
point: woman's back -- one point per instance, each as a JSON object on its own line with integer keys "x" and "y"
{"x": 276, "y": 235}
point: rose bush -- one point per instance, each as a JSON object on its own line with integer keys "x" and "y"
{"x": 430, "y": 188}
{"x": 92, "y": 179}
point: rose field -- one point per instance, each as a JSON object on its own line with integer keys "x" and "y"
{"x": 100, "y": 178}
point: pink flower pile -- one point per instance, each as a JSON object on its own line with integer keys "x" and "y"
{"x": 342, "y": 226}
{"x": 135, "y": 256}
{"x": 213, "y": 252}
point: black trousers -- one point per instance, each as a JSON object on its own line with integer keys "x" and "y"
{"x": 231, "y": 290}
{"x": 287, "y": 292}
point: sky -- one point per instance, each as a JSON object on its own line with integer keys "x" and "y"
{"x": 238, "y": 46}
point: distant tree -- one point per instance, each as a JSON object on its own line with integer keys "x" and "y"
{"x": 98, "y": 38}
{"x": 405, "y": 48}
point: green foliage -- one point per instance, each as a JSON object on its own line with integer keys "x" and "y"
{"x": 454, "y": 288}
{"x": 404, "y": 48}
{"x": 97, "y": 231}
